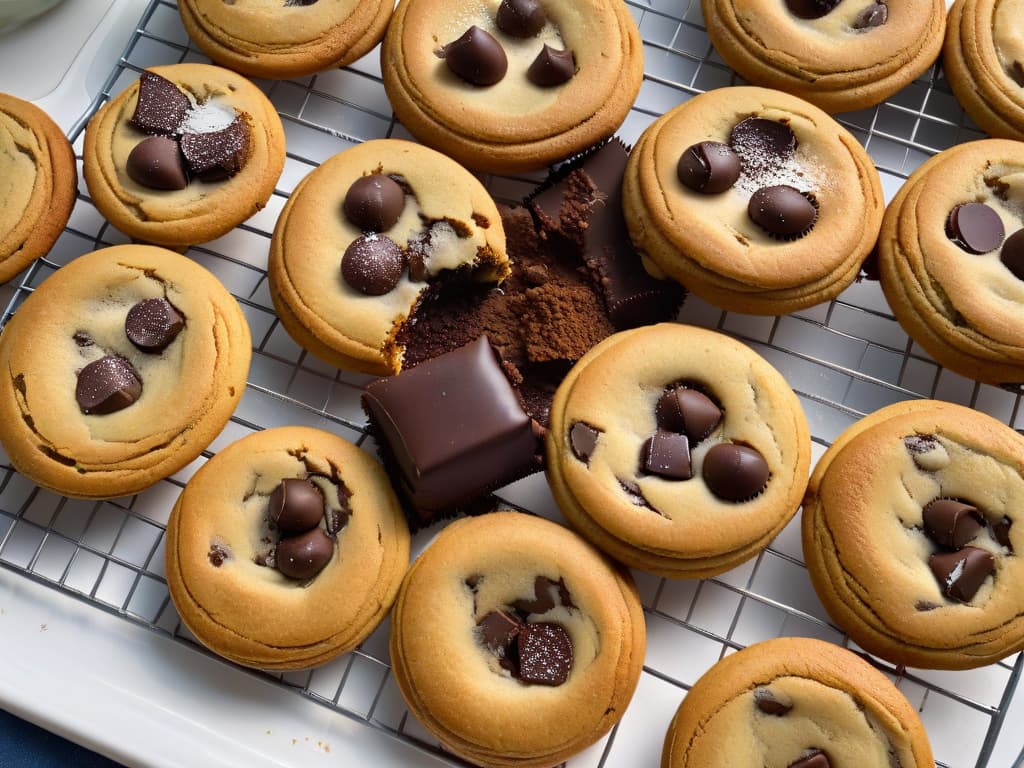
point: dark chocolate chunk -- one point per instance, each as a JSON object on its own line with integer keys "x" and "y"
{"x": 498, "y": 630}
{"x": 476, "y": 57}
{"x": 372, "y": 264}
{"x": 546, "y": 594}
{"x": 583, "y": 440}
{"x": 709, "y": 167}
{"x": 296, "y": 505}
{"x": 1012, "y": 254}
{"x": 83, "y": 339}
{"x": 1001, "y": 531}
{"x": 815, "y": 759}
{"x": 218, "y": 155}
{"x": 687, "y": 411}
{"x": 217, "y": 555}
{"x": 782, "y": 211}
{"x": 152, "y": 324}
{"x": 735, "y": 472}
{"x": 161, "y": 105}
{"x": 873, "y": 16}
{"x": 918, "y": 444}
{"x": 1016, "y": 71}
{"x": 373, "y": 203}
{"x": 961, "y": 574}
{"x": 156, "y": 163}
{"x": 666, "y": 454}
{"x": 763, "y": 145}
{"x": 951, "y": 524}
{"x": 521, "y": 18}
{"x": 770, "y": 704}
{"x": 811, "y": 9}
{"x": 454, "y": 425}
{"x": 304, "y": 556}
{"x": 551, "y": 67}
{"x": 545, "y": 654}
{"x": 107, "y": 385}
{"x": 975, "y": 227}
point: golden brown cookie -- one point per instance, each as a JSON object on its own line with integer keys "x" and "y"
{"x": 285, "y": 38}
{"x": 511, "y": 86}
{"x": 38, "y": 183}
{"x": 839, "y": 54}
{"x": 677, "y": 450}
{"x": 795, "y": 703}
{"x": 754, "y": 200}
{"x": 286, "y": 549}
{"x": 119, "y": 369}
{"x": 951, "y": 259}
{"x": 364, "y": 237}
{"x": 911, "y": 526}
{"x": 198, "y": 152}
{"x": 514, "y": 642}
{"x": 983, "y": 59}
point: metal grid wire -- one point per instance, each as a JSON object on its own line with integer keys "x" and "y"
{"x": 844, "y": 359}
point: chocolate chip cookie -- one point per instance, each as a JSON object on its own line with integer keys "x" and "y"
{"x": 951, "y": 259}
{"x": 983, "y": 58}
{"x": 514, "y": 642}
{"x": 841, "y": 55}
{"x": 286, "y": 549}
{"x": 753, "y": 199}
{"x": 38, "y": 182}
{"x": 183, "y": 155}
{"x": 285, "y": 38}
{"x": 919, "y": 565}
{"x": 366, "y": 236}
{"x": 515, "y": 85}
{"x": 795, "y": 703}
{"x": 677, "y": 450}
{"x": 119, "y": 369}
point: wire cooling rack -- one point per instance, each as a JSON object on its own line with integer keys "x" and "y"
{"x": 844, "y": 359}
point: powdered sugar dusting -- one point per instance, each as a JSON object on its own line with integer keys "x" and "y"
{"x": 207, "y": 117}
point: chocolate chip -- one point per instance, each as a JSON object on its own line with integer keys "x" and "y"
{"x": 918, "y": 444}
{"x": 551, "y": 67}
{"x": 156, "y": 163}
{"x": 763, "y": 145}
{"x": 217, "y": 555}
{"x": 961, "y": 574}
{"x": 811, "y": 9}
{"x": 373, "y": 203}
{"x": 951, "y": 524}
{"x": 544, "y": 592}
{"x": 782, "y": 211}
{"x": 1016, "y": 71}
{"x": 1001, "y": 531}
{"x": 545, "y": 654}
{"x": 305, "y": 555}
{"x": 735, "y": 472}
{"x": 709, "y": 167}
{"x": 83, "y": 339}
{"x": 688, "y": 411}
{"x": 218, "y": 155}
{"x": 1012, "y": 254}
{"x": 498, "y": 630}
{"x": 975, "y": 227}
{"x": 476, "y": 57}
{"x": 583, "y": 440}
{"x": 666, "y": 454}
{"x": 107, "y": 385}
{"x": 152, "y": 324}
{"x": 816, "y": 759}
{"x": 296, "y": 505}
{"x": 372, "y": 264}
{"x": 161, "y": 105}
{"x": 335, "y": 520}
{"x": 873, "y": 16}
{"x": 767, "y": 702}
{"x": 521, "y": 18}
{"x": 290, "y": 3}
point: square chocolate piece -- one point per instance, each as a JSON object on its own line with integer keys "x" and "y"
{"x": 454, "y": 427}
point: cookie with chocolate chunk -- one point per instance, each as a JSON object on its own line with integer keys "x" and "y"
{"x": 753, "y": 199}
{"x": 121, "y": 367}
{"x": 514, "y": 642}
{"x": 798, "y": 703}
{"x": 38, "y": 183}
{"x": 841, "y": 56}
{"x": 919, "y": 566}
{"x": 951, "y": 259}
{"x": 983, "y": 59}
{"x": 286, "y": 549}
{"x": 511, "y": 86}
{"x": 183, "y": 155}
{"x": 285, "y": 38}
{"x": 677, "y": 450}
